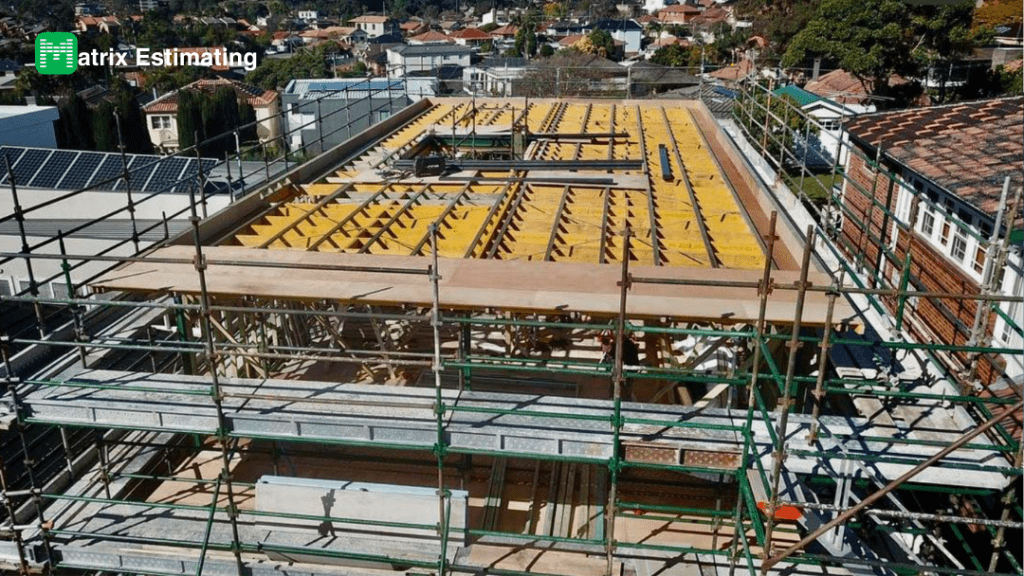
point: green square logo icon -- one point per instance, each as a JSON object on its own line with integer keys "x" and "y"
{"x": 56, "y": 53}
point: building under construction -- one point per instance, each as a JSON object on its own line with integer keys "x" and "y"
{"x": 494, "y": 336}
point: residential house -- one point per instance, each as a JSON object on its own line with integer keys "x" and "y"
{"x": 504, "y": 36}
{"x": 831, "y": 116}
{"x": 8, "y": 74}
{"x": 98, "y": 24}
{"x": 951, "y": 162}
{"x": 678, "y": 14}
{"x": 28, "y": 126}
{"x": 629, "y": 32}
{"x": 429, "y": 37}
{"x": 346, "y": 107}
{"x": 470, "y": 37}
{"x": 309, "y": 15}
{"x": 89, "y": 9}
{"x": 494, "y": 76}
{"x": 405, "y": 59}
{"x": 162, "y": 120}
{"x": 734, "y": 74}
{"x": 375, "y": 25}
{"x": 348, "y": 34}
{"x": 845, "y": 88}
{"x": 413, "y": 27}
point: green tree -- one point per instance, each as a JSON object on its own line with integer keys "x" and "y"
{"x": 74, "y": 127}
{"x": 945, "y": 35}
{"x": 546, "y": 50}
{"x": 598, "y": 42}
{"x": 104, "y": 127}
{"x": 870, "y": 39}
{"x": 526, "y": 41}
{"x": 190, "y": 119}
{"x": 676, "y": 55}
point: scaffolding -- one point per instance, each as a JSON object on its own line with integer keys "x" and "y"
{"x": 187, "y": 388}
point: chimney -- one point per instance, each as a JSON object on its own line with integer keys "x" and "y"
{"x": 817, "y": 69}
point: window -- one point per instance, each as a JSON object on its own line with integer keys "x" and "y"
{"x": 979, "y": 260}
{"x": 1013, "y": 311}
{"x": 959, "y": 249}
{"x": 928, "y": 221}
{"x": 946, "y": 227}
{"x": 830, "y": 124}
{"x": 159, "y": 122}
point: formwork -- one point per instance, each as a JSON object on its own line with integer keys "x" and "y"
{"x": 437, "y": 340}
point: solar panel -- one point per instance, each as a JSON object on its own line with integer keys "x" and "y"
{"x": 141, "y": 169}
{"x": 79, "y": 173}
{"x": 12, "y": 154}
{"x": 111, "y": 166}
{"x": 53, "y": 170}
{"x": 167, "y": 175}
{"x": 28, "y": 164}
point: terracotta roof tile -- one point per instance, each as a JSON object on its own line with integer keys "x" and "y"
{"x": 968, "y": 149}
{"x": 253, "y": 96}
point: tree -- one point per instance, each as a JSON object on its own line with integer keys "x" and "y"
{"x": 676, "y": 55}
{"x": 104, "y": 127}
{"x": 778, "y": 21}
{"x": 598, "y": 42}
{"x": 870, "y": 39}
{"x": 190, "y": 119}
{"x": 546, "y": 50}
{"x": 74, "y": 126}
{"x": 526, "y": 41}
{"x": 944, "y": 36}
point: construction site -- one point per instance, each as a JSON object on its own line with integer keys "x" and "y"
{"x": 497, "y": 337}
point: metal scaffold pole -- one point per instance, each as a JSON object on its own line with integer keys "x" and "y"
{"x": 217, "y": 395}
{"x": 440, "y": 447}
{"x": 614, "y": 462}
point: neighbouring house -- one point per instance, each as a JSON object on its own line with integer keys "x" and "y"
{"x": 629, "y": 32}
{"x": 678, "y": 14}
{"x": 8, "y": 74}
{"x": 98, "y": 24}
{"x": 349, "y": 34}
{"x": 648, "y": 79}
{"x": 733, "y": 74}
{"x": 375, "y": 25}
{"x": 413, "y": 27}
{"x": 162, "y": 121}
{"x": 831, "y": 116}
{"x": 28, "y": 126}
{"x": 845, "y": 88}
{"x": 346, "y": 107}
{"x": 429, "y": 37}
{"x": 309, "y": 15}
{"x": 470, "y": 37}
{"x": 494, "y": 76}
{"x": 406, "y": 60}
{"x": 951, "y": 162}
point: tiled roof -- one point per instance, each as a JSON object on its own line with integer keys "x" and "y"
{"x": 368, "y": 19}
{"x": 734, "y": 72}
{"x": 506, "y": 30}
{"x": 843, "y": 87}
{"x": 571, "y": 39}
{"x": 253, "y": 96}
{"x": 430, "y": 37}
{"x": 679, "y": 9}
{"x": 470, "y": 34}
{"x": 967, "y": 149}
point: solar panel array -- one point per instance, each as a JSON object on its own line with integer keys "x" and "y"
{"x": 73, "y": 170}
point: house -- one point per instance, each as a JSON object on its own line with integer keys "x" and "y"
{"x": 150, "y": 5}
{"x": 309, "y": 15}
{"x": 346, "y": 107}
{"x": 951, "y": 163}
{"x": 678, "y": 14}
{"x": 375, "y": 25}
{"x": 413, "y": 27}
{"x": 28, "y": 126}
{"x": 349, "y": 34}
{"x": 831, "y": 117}
{"x": 563, "y": 28}
{"x": 405, "y": 59}
{"x": 494, "y": 76}
{"x": 629, "y": 32}
{"x": 429, "y": 37}
{"x": 845, "y": 88}
{"x": 98, "y": 24}
{"x": 8, "y": 74}
{"x": 470, "y": 37}
{"x": 162, "y": 120}
{"x": 733, "y": 74}
{"x": 648, "y": 79}
{"x": 89, "y": 9}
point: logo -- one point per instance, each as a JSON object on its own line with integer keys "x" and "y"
{"x": 56, "y": 53}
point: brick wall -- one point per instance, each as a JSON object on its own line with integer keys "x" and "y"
{"x": 946, "y": 321}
